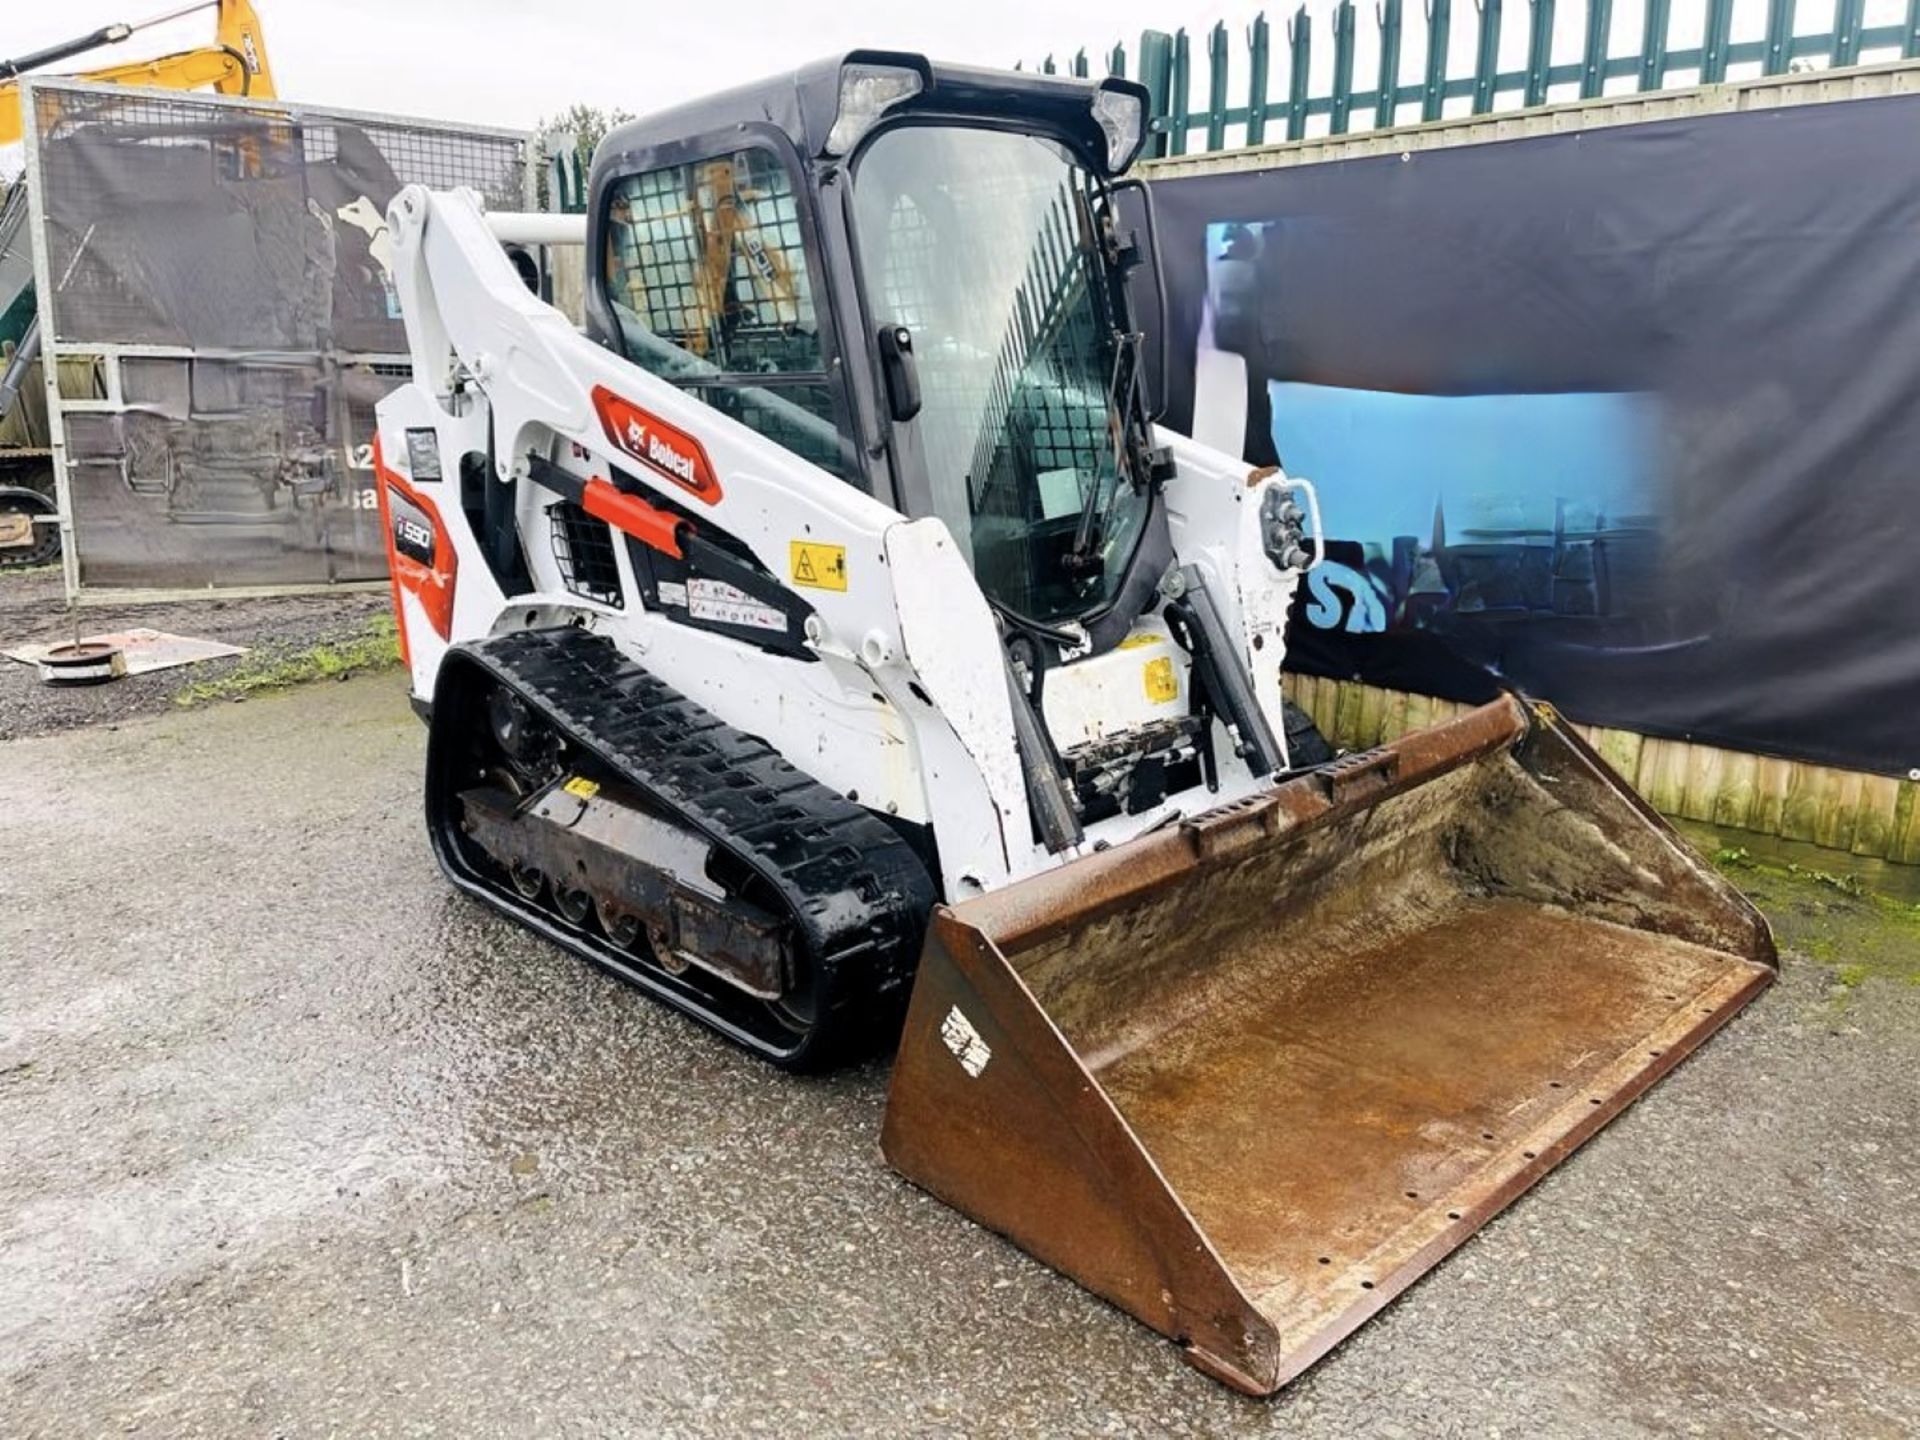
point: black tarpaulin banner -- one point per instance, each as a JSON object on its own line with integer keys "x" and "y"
{"x": 1626, "y": 418}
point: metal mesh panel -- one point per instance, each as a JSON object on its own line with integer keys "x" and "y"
{"x": 1036, "y": 393}
{"x": 583, "y": 551}
{"x": 247, "y": 243}
{"x": 1033, "y": 412}
{"x": 176, "y": 220}
{"x": 709, "y": 257}
{"x": 1049, "y": 348}
{"x": 707, "y": 271}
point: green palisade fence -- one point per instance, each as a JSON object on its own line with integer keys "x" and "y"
{"x": 1260, "y": 96}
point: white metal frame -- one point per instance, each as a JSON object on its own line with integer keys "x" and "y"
{"x": 52, "y": 350}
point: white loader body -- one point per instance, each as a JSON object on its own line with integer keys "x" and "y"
{"x": 908, "y": 709}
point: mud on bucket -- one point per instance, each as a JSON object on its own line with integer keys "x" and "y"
{"x": 1250, "y": 1077}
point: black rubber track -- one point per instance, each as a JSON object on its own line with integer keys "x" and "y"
{"x": 857, "y": 894}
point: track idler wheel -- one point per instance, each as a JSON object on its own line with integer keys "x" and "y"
{"x": 621, "y": 928}
{"x": 575, "y": 906}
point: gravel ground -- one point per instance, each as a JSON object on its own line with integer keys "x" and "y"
{"x": 301, "y": 1143}
{"x": 33, "y": 608}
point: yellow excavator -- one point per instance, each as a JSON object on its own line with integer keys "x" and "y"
{"x": 234, "y": 64}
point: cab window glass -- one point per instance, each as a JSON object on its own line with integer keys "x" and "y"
{"x": 707, "y": 276}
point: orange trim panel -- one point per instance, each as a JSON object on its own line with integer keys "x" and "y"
{"x": 664, "y": 449}
{"x": 430, "y": 580}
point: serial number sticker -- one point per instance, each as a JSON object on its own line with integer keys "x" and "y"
{"x": 423, "y": 454}
{"x": 964, "y": 1041}
{"x": 672, "y": 592}
{"x": 824, "y": 567}
{"x": 1162, "y": 684}
{"x": 584, "y": 788}
{"x": 717, "y": 600}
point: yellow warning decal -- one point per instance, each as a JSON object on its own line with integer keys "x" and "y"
{"x": 1162, "y": 684}
{"x": 581, "y": 786}
{"x": 824, "y": 567}
{"x": 1140, "y": 639}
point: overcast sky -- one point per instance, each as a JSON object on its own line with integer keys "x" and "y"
{"x": 511, "y": 62}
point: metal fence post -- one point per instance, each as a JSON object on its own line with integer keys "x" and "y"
{"x": 1911, "y": 48}
{"x": 1156, "y": 73}
{"x": 1780, "y": 37}
{"x": 1217, "y": 87}
{"x": 1486, "y": 59}
{"x": 1539, "y": 50}
{"x": 1342, "y": 67}
{"x": 1299, "y": 59}
{"x": 1846, "y": 31}
{"x": 1117, "y": 61}
{"x": 1713, "y": 47}
{"x": 566, "y": 184}
{"x": 1180, "y": 116}
{"x": 1433, "y": 93}
{"x": 1387, "y": 102}
{"x": 1080, "y": 63}
{"x": 1593, "y": 58}
{"x": 1259, "y": 43}
{"x": 1653, "y": 45}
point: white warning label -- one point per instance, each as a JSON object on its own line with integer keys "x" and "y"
{"x": 717, "y": 600}
{"x": 964, "y": 1041}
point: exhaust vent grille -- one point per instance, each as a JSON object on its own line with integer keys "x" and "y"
{"x": 583, "y": 549}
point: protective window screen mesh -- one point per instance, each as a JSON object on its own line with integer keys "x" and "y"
{"x": 708, "y": 276}
{"x": 248, "y": 243}
{"x": 708, "y": 256}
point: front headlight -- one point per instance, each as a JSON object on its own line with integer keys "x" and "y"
{"x": 865, "y": 93}
{"x": 1122, "y": 117}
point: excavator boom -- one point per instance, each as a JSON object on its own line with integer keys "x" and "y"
{"x": 235, "y": 64}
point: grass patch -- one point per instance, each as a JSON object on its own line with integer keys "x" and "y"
{"x": 374, "y": 646}
{"x": 1835, "y": 920}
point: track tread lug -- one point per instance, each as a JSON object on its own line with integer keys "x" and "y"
{"x": 855, "y": 889}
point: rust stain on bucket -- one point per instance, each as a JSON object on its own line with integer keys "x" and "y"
{"x": 1250, "y": 1077}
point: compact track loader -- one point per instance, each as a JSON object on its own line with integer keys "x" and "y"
{"x": 826, "y": 635}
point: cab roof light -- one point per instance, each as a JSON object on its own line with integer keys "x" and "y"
{"x": 866, "y": 93}
{"x": 1122, "y": 118}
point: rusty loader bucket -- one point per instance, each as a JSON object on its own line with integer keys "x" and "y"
{"x": 1250, "y": 1077}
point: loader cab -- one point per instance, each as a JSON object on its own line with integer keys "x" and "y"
{"x": 915, "y": 276}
